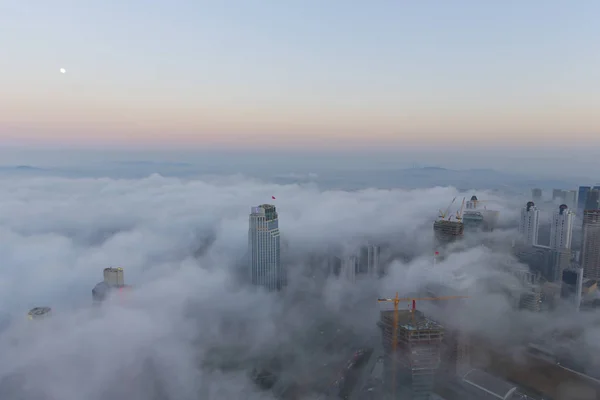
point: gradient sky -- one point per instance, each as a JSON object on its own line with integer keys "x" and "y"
{"x": 292, "y": 74}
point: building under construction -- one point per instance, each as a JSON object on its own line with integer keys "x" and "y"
{"x": 409, "y": 373}
{"x": 447, "y": 231}
{"x": 446, "y": 228}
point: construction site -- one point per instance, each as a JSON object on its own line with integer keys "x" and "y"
{"x": 410, "y": 365}
{"x": 449, "y": 227}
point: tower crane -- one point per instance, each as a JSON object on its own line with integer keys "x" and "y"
{"x": 396, "y": 301}
{"x": 444, "y": 213}
{"x": 459, "y": 214}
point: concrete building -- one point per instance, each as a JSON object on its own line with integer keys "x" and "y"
{"x": 592, "y": 201}
{"x": 409, "y": 371}
{"x": 477, "y": 217}
{"x": 350, "y": 268}
{"x": 590, "y": 249}
{"x": 558, "y": 195}
{"x": 536, "y": 195}
{"x": 114, "y": 278}
{"x": 264, "y": 248}
{"x": 39, "y": 313}
{"x": 572, "y": 286}
{"x": 571, "y": 199}
{"x": 373, "y": 266}
{"x": 531, "y": 299}
{"x": 543, "y": 260}
{"x": 447, "y": 231}
{"x": 561, "y": 228}
{"x": 529, "y": 223}
{"x": 582, "y": 199}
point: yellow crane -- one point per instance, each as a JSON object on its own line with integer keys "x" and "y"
{"x": 396, "y": 301}
{"x": 444, "y": 213}
{"x": 460, "y": 213}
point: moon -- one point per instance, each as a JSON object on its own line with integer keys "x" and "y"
{"x": 62, "y": 70}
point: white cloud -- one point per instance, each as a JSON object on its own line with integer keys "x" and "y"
{"x": 180, "y": 242}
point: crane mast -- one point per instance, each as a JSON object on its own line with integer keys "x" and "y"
{"x": 396, "y": 301}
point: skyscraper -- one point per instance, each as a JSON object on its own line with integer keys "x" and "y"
{"x": 590, "y": 251}
{"x": 409, "y": 371}
{"x": 536, "y": 194}
{"x": 561, "y": 228}
{"x": 264, "y": 251}
{"x": 582, "y": 199}
{"x": 350, "y": 266}
{"x": 529, "y": 223}
{"x": 592, "y": 202}
{"x": 558, "y": 195}
{"x": 373, "y": 267}
{"x": 571, "y": 199}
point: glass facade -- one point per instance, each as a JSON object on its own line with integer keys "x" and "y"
{"x": 264, "y": 248}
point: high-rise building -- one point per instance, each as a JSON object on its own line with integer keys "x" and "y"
{"x": 113, "y": 279}
{"x": 447, "y": 231}
{"x": 592, "y": 201}
{"x": 114, "y": 276}
{"x": 536, "y": 195}
{"x": 571, "y": 199}
{"x": 529, "y": 223}
{"x": 543, "y": 260}
{"x": 373, "y": 266}
{"x": 582, "y": 198}
{"x": 350, "y": 267}
{"x": 477, "y": 217}
{"x": 558, "y": 195}
{"x": 409, "y": 371}
{"x": 264, "y": 249}
{"x": 561, "y": 228}
{"x": 531, "y": 299}
{"x": 572, "y": 285}
{"x": 590, "y": 250}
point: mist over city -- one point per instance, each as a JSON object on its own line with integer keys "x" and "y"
{"x": 314, "y": 200}
{"x": 198, "y": 321}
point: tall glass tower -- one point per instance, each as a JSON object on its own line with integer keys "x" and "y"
{"x": 264, "y": 250}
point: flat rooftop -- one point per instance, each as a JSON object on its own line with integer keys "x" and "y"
{"x": 406, "y": 320}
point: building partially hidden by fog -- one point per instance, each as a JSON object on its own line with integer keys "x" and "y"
{"x": 590, "y": 249}
{"x": 536, "y": 194}
{"x": 113, "y": 279}
{"x": 478, "y": 217}
{"x": 572, "y": 286}
{"x": 264, "y": 249}
{"x": 529, "y": 223}
{"x": 561, "y": 228}
{"x": 39, "y": 312}
{"x": 410, "y": 371}
{"x": 485, "y": 386}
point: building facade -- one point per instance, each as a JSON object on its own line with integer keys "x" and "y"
{"x": 590, "y": 249}
{"x": 561, "y": 228}
{"x": 373, "y": 266}
{"x": 571, "y": 199}
{"x": 582, "y": 198}
{"x": 529, "y": 223}
{"x": 536, "y": 194}
{"x": 592, "y": 202}
{"x": 264, "y": 248}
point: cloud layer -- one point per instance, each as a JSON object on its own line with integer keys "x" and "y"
{"x": 182, "y": 244}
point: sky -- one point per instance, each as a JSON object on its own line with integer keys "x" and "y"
{"x": 313, "y": 75}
